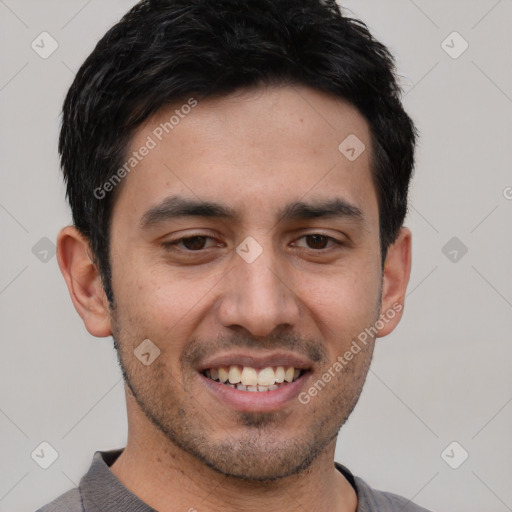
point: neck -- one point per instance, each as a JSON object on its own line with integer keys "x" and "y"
{"x": 167, "y": 479}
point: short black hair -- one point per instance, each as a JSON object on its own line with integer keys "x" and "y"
{"x": 165, "y": 51}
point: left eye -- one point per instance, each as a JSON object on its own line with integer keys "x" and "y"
{"x": 318, "y": 241}
{"x": 191, "y": 243}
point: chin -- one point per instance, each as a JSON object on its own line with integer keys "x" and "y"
{"x": 256, "y": 458}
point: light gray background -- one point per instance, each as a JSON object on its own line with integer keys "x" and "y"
{"x": 444, "y": 375}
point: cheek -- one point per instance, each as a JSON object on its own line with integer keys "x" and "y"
{"x": 165, "y": 305}
{"x": 344, "y": 303}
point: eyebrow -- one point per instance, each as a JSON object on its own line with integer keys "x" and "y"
{"x": 175, "y": 207}
{"x": 337, "y": 208}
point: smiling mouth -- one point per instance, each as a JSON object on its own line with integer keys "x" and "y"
{"x": 247, "y": 378}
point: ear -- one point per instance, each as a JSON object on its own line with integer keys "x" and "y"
{"x": 397, "y": 270}
{"x": 83, "y": 281}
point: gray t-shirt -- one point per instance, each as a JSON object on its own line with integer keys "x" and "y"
{"x": 101, "y": 491}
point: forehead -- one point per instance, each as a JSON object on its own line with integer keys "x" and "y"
{"x": 252, "y": 148}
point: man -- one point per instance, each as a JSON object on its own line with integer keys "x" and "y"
{"x": 238, "y": 175}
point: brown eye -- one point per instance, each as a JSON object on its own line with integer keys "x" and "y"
{"x": 194, "y": 243}
{"x": 317, "y": 241}
{"x": 189, "y": 244}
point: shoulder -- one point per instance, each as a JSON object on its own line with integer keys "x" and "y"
{"x": 371, "y": 499}
{"x": 70, "y": 501}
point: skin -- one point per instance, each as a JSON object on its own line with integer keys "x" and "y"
{"x": 255, "y": 151}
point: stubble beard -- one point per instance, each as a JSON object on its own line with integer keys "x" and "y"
{"x": 256, "y": 449}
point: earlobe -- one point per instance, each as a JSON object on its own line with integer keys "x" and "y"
{"x": 83, "y": 281}
{"x": 397, "y": 270}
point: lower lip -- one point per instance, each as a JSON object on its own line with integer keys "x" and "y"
{"x": 246, "y": 401}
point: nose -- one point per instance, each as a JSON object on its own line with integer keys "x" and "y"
{"x": 257, "y": 296}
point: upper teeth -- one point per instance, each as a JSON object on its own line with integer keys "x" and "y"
{"x": 248, "y": 376}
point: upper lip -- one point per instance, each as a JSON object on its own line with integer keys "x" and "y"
{"x": 256, "y": 361}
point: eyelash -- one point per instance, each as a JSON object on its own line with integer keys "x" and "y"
{"x": 173, "y": 244}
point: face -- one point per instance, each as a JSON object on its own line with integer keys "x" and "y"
{"x": 245, "y": 246}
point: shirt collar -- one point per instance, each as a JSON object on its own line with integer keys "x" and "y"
{"x": 102, "y": 491}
